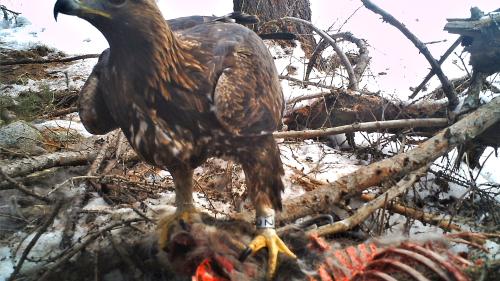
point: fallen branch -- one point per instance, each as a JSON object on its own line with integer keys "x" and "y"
{"x": 37, "y": 163}
{"x": 366, "y": 127}
{"x": 367, "y": 209}
{"x": 307, "y": 83}
{"x": 111, "y": 139}
{"x": 353, "y": 81}
{"x": 321, "y": 199}
{"x": 308, "y": 97}
{"x": 121, "y": 142}
{"x": 60, "y": 112}
{"x": 41, "y": 61}
{"x": 440, "y": 62}
{"x": 33, "y": 241}
{"x": 447, "y": 87}
{"x": 434, "y": 219}
{"x": 19, "y": 186}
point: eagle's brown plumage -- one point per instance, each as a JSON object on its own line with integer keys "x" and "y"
{"x": 180, "y": 97}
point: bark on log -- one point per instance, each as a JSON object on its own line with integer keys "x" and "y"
{"x": 30, "y": 165}
{"x": 481, "y": 38}
{"x": 435, "y": 219}
{"x": 269, "y": 13}
{"x": 367, "y": 209}
{"x": 365, "y": 127}
{"x": 343, "y": 108}
{"x": 321, "y": 199}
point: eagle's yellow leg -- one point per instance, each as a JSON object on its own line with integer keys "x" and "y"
{"x": 267, "y": 237}
{"x": 185, "y": 212}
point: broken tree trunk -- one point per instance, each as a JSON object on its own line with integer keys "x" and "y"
{"x": 342, "y": 108}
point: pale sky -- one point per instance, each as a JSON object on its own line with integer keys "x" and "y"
{"x": 391, "y": 51}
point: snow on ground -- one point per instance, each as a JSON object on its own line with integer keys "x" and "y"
{"x": 6, "y": 262}
{"x": 72, "y": 124}
{"x": 314, "y": 160}
{"x": 309, "y": 158}
{"x": 69, "y": 76}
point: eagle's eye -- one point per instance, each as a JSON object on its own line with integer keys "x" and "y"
{"x": 117, "y": 2}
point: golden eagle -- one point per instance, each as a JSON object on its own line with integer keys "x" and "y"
{"x": 209, "y": 90}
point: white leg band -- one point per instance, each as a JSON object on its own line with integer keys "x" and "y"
{"x": 265, "y": 221}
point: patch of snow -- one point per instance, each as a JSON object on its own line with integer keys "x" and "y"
{"x": 292, "y": 58}
{"x": 316, "y": 160}
{"x": 95, "y": 204}
{"x": 493, "y": 248}
{"x": 69, "y": 76}
{"x": 46, "y": 246}
{"x": 73, "y": 124}
{"x": 221, "y": 209}
{"x": 6, "y": 263}
{"x": 398, "y": 223}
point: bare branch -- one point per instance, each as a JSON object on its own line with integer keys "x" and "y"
{"x": 308, "y": 97}
{"x": 307, "y": 83}
{"x": 353, "y": 81}
{"x": 364, "y": 58}
{"x": 367, "y": 209}
{"x": 25, "y": 167}
{"x": 447, "y": 87}
{"x": 431, "y": 73}
{"x": 84, "y": 244}
{"x": 435, "y": 219}
{"x": 367, "y": 127}
{"x": 19, "y": 186}
{"x": 60, "y": 112}
{"x": 33, "y": 241}
{"x": 111, "y": 139}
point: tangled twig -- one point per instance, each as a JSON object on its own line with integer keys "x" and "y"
{"x": 33, "y": 241}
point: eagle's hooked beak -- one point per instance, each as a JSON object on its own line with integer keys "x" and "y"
{"x": 80, "y": 8}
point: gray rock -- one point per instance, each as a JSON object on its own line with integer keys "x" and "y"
{"x": 21, "y": 136}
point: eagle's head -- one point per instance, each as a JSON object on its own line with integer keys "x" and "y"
{"x": 119, "y": 20}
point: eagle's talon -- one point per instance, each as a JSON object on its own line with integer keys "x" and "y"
{"x": 270, "y": 240}
{"x": 165, "y": 224}
{"x": 245, "y": 254}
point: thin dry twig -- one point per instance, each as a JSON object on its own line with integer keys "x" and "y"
{"x": 431, "y": 73}
{"x": 307, "y": 83}
{"x": 84, "y": 244}
{"x": 367, "y": 127}
{"x": 447, "y": 87}
{"x": 33, "y": 241}
{"x": 308, "y": 97}
{"x": 21, "y": 187}
{"x": 353, "y": 80}
{"x": 61, "y": 112}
